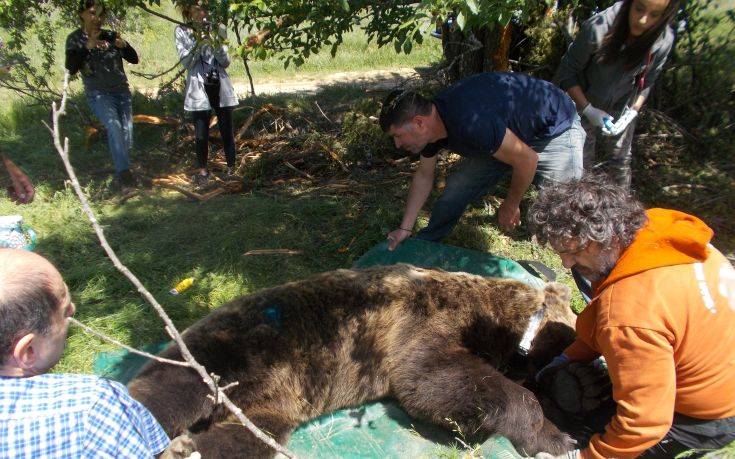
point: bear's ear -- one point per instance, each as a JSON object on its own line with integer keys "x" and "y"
{"x": 557, "y": 296}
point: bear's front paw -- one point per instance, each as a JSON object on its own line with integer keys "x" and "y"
{"x": 181, "y": 447}
{"x": 580, "y": 388}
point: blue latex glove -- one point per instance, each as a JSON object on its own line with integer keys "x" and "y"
{"x": 558, "y": 362}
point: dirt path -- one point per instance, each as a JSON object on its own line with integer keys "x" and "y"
{"x": 313, "y": 83}
{"x": 375, "y": 79}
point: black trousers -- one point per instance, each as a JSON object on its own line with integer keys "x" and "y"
{"x": 689, "y": 433}
{"x": 202, "y": 118}
{"x": 685, "y": 434}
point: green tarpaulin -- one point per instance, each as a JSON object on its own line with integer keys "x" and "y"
{"x": 380, "y": 429}
{"x": 447, "y": 257}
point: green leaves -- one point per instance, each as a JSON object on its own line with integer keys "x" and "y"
{"x": 461, "y": 20}
{"x": 407, "y": 45}
{"x": 473, "y": 6}
{"x": 296, "y": 29}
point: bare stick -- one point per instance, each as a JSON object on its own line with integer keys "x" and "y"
{"x": 250, "y": 76}
{"x": 236, "y": 26}
{"x": 182, "y": 190}
{"x": 248, "y": 122}
{"x": 322, "y": 112}
{"x": 271, "y": 252}
{"x": 298, "y": 171}
{"x": 104, "y": 337}
{"x": 63, "y": 151}
{"x": 173, "y": 79}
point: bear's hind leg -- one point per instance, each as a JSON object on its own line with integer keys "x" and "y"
{"x": 176, "y": 396}
{"x": 449, "y": 382}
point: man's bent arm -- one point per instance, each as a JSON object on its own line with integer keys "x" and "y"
{"x": 514, "y": 152}
{"x": 418, "y": 193}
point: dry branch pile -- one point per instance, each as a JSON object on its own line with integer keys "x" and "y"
{"x": 277, "y": 147}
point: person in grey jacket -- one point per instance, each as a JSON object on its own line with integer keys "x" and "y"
{"x": 208, "y": 86}
{"x": 609, "y": 70}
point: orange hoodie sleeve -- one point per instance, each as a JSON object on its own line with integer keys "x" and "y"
{"x": 641, "y": 366}
{"x": 578, "y": 351}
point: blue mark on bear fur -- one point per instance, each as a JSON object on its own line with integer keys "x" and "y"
{"x": 273, "y": 317}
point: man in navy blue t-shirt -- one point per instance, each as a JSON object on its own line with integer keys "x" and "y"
{"x": 499, "y": 123}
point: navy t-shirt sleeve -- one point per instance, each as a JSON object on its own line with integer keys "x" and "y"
{"x": 474, "y": 137}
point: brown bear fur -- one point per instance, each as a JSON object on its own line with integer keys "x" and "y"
{"x": 433, "y": 340}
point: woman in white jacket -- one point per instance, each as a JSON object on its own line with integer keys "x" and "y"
{"x": 207, "y": 84}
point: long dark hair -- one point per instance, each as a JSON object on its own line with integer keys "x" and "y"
{"x": 612, "y": 45}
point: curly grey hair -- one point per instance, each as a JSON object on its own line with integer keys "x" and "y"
{"x": 592, "y": 208}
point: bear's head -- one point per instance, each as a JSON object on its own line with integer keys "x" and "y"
{"x": 556, "y": 330}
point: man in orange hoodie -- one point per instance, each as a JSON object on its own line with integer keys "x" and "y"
{"x": 662, "y": 314}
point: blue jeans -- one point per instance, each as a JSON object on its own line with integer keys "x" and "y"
{"x": 115, "y": 112}
{"x": 559, "y": 159}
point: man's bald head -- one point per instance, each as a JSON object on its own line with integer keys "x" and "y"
{"x": 31, "y": 291}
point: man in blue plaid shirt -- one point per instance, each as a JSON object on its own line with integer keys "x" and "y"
{"x": 57, "y": 415}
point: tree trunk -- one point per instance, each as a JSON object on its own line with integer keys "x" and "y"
{"x": 479, "y": 50}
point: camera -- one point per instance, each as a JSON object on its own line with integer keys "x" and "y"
{"x": 211, "y": 76}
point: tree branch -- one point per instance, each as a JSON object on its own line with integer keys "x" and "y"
{"x": 104, "y": 337}
{"x": 219, "y": 395}
{"x": 152, "y": 76}
{"x": 173, "y": 78}
{"x": 145, "y": 8}
{"x": 236, "y": 25}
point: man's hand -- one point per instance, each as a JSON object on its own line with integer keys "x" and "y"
{"x": 120, "y": 43}
{"x": 597, "y": 117}
{"x": 509, "y": 216}
{"x": 21, "y": 190}
{"x": 559, "y": 362}
{"x": 395, "y": 237}
{"x": 94, "y": 42}
{"x": 222, "y": 31}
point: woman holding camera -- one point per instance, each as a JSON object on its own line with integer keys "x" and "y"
{"x": 609, "y": 71}
{"x": 207, "y": 84}
{"x": 98, "y": 54}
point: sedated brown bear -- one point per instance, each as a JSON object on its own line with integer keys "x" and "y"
{"x": 431, "y": 339}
